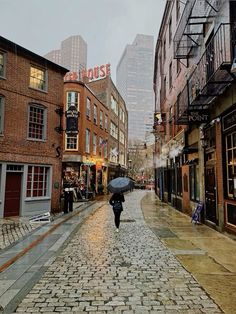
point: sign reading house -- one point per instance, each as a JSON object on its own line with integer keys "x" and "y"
{"x": 72, "y": 120}
{"x": 92, "y": 73}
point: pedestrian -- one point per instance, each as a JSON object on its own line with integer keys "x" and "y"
{"x": 116, "y": 202}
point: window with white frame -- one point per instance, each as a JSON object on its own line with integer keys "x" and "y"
{"x": 72, "y": 100}
{"x": 114, "y": 130}
{"x": 72, "y": 142}
{"x": 88, "y": 108}
{"x": 114, "y": 105}
{"x": 38, "y": 78}
{"x": 36, "y": 122}
{"x": 95, "y": 114}
{"x": 122, "y": 137}
{"x": 101, "y": 119}
{"x": 106, "y": 122}
{"x": 94, "y": 144}
{"x": 2, "y": 64}
{"x": 230, "y": 162}
{"x": 37, "y": 181}
{"x": 122, "y": 115}
{"x": 1, "y": 113}
{"x": 87, "y": 141}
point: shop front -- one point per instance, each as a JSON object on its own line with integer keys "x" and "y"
{"x": 229, "y": 168}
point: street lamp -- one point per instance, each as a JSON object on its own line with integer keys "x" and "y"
{"x": 130, "y": 162}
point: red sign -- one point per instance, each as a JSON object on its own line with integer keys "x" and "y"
{"x": 92, "y": 73}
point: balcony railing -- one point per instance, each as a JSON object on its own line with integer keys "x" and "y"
{"x": 212, "y": 74}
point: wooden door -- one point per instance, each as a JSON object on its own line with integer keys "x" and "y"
{"x": 210, "y": 194}
{"x": 12, "y": 194}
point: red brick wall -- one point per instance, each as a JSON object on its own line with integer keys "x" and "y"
{"x": 14, "y": 145}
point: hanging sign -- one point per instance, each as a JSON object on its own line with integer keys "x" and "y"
{"x": 72, "y": 120}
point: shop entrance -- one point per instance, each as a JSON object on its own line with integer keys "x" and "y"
{"x": 210, "y": 194}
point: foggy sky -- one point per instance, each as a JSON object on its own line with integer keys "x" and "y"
{"x": 106, "y": 25}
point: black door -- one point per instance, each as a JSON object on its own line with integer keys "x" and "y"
{"x": 210, "y": 194}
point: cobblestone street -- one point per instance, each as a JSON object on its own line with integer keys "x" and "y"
{"x": 101, "y": 271}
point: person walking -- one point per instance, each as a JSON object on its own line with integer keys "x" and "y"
{"x": 116, "y": 202}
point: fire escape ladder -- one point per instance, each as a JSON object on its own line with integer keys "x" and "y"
{"x": 190, "y": 28}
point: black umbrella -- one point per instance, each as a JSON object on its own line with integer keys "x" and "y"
{"x": 119, "y": 185}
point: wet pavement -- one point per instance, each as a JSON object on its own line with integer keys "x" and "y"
{"x": 158, "y": 263}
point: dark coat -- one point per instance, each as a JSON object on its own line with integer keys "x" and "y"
{"x": 117, "y": 197}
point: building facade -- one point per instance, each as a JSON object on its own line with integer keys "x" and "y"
{"x": 195, "y": 110}
{"x": 107, "y": 92}
{"x": 31, "y": 93}
{"x": 85, "y": 153}
{"x": 71, "y": 55}
{"x": 134, "y": 81}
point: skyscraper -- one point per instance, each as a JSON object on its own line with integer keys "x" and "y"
{"x": 72, "y": 55}
{"x": 54, "y": 56}
{"x": 134, "y": 75}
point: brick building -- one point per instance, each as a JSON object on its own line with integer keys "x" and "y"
{"x": 85, "y": 153}
{"x": 107, "y": 92}
{"x": 31, "y": 91}
{"x": 194, "y": 85}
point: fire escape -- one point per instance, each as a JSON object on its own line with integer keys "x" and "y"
{"x": 212, "y": 73}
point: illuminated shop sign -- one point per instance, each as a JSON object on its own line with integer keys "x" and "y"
{"x": 92, "y": 73}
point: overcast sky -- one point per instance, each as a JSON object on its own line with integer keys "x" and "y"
{"x": 106, "y": 25}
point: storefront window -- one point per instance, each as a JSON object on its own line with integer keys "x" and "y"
{"x": 230, "y": 162}
{"x": 194, "y": 182}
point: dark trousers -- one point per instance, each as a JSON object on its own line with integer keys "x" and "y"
{"x": 117, "y": 217}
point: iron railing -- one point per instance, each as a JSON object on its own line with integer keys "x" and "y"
{"x": 212, "y": 75}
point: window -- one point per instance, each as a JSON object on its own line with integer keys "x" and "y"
{"x": 122, "y": 137}
{"x": 106, "y": 122}
{"x": 170, "y": 75}
{"x": 94, "y": 144}
{"x": 230, "y": 162}
{"x": 88, "y": 108}
{"x": 38, "y": 78}
{"x": 37, "y": 181}
{"x": 87, "y": 141}
{"x": 170, "y": 31}
{"x": 101, "y": 119}
{"x": 114, "y": 105}
{"x": 71, "y": 141}
{"x": 37, "y": 118}
{"x": 164, "y": 88}
{"x": 122, "y": 115}
{"x": 72, "y": 100}
{"x": 114, "y": 130}
{"x": 177, "y": 10}
{"x": 164, "y": 49}
{"x": 1, "y": 113}
{"x": 95, "y": 114}
{"x": 194, "y": 182}
{"x": 2, "y": 63}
